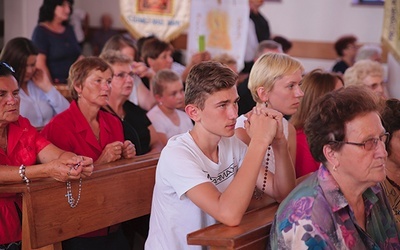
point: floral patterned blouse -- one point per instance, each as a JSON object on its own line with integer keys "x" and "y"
{"x": 316, "y": 215}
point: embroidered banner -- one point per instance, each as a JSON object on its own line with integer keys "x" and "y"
{"x": 391, "y": 27}
{"x": 165, "y": 19}
{"x": 219, "y": 26}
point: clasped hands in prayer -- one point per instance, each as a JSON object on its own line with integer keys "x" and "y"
{"x": 117, "y": 150}
{"x": 265, "y": 123}
{"x": 71, "y": 169}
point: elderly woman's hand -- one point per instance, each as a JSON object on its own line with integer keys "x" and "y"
{"x": 111, "y": 152}
{"x": 128, "y": 150}
{"x": 87, "y": 166}
{"x": 63, "y": 170}
{"x": 140, "y": 69}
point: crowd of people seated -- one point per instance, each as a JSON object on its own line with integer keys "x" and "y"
{"x": 322, "y": 143}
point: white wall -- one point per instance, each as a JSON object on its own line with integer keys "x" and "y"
{"x": 324, "y": 20}
{"x": 20, "y": 18}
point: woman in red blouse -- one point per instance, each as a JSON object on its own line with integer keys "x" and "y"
{"x": 21, "y": 148}
{"x": 85, "y": 128}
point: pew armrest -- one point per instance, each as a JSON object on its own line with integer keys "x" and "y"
{"x": 252, "y": 233}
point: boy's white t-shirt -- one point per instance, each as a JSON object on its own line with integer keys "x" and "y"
{"x": 271, "y": 162}
{"x": 182, "y": 166}
{"x": 163, "y": 124}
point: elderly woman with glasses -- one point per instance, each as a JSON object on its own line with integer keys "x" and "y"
{"x": 137, "y": 127}
{"x": 25, "y": 155}
{"x": 85, "y": 127}
{"x": 342, "y": 205}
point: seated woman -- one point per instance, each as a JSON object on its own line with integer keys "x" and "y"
{"x": 85, "y": 128}
{"x": 274, "y": 82}
{"x": 342, "y": 205}
{"x": 40, "y": 100}
{"x": 21, "y": 149}
{"x": 157, "y": 55}
{"x": 140, "y": 94}
{"x": 390, "y": 118}
{"x": 366, "y": 73}
{"x": 314, "y": 84}
{"x": 166, "y": 116}
{"x": 137, "y": 127}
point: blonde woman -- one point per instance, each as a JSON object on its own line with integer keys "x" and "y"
{"x": 274, "y": 83}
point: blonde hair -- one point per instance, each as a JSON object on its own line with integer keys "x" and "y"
{"x": 269, "y": 68}
{"x": 225, "y": 58}
{"x": 356, "y": 74}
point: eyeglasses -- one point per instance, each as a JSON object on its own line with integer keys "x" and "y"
{"x": 123, "y": 75}
{"x": 7, "y": 66}
{"x": 369, "y": 144}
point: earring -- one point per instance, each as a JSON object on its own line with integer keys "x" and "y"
{"x": 334, "y": 168}
{"x": 266, "y": 104}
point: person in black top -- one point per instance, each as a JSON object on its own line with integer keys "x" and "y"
{"x": 258, "y": 31}
{"x": 346, "y": 49}
{"x": 137, "y": 126}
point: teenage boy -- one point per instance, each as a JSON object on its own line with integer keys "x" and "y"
{"x": 207, "y": 174}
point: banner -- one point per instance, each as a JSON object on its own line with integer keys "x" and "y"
{"x": 391, "y": 27}
{"x": 219, "y": 26}
{"x": 165, "y": 19}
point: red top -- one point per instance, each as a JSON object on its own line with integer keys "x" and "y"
{"x": 70, "y": 131}
{"x": 23, "y": 145}
{"x": 305, "y": 163}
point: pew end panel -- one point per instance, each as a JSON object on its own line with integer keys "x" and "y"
{"x": 115, "y": 192}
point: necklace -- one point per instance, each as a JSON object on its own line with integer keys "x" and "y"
{"x": 70, "y": 199}
{"x": 394, "y": 184}
{"x": 257, "y": 193}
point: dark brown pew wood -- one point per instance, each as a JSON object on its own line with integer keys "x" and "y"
{"x": 251, "y": 234}
{"x": 115, "y": 192}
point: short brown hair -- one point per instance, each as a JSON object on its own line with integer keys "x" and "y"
{"x": 330, "y": 114}
{"x": 342, "y": 43}
{"x": 153, "y": 48}
{"x": 80, "y": 70}
{"x": 161, "y": 78}
{"x": 206, "y": 78}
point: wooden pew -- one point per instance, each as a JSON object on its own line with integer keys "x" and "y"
{"x": 115, "y": 192}
{"x": 251, "y": 234}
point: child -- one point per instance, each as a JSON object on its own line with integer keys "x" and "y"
{"x": 208, "y": 175}
{"x": 166, "y": 117}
